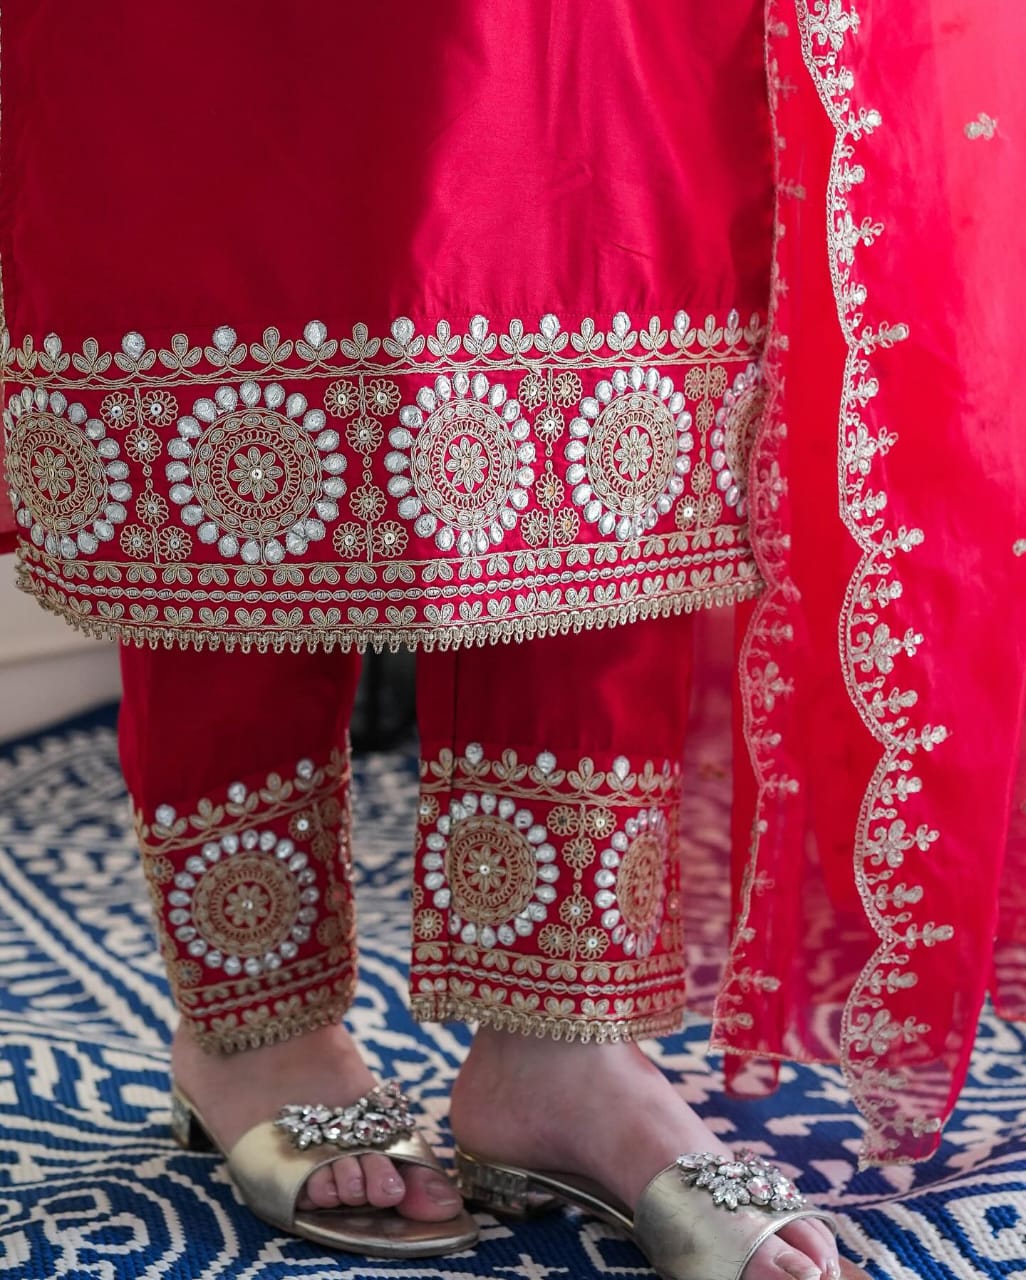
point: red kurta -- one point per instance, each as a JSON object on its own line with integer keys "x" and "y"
{"x": 425, "y": 328}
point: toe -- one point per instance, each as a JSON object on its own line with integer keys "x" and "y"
{"x": 779, "y": 1260}
{"x": 798, "y": 1266}
{"x": 813, "y": 1237}
{"x": 430, "y": 1196}
{"x": 320, "y": 1191}
{"x": 384, "y": 1185}
{"x": 350, "y": 1185}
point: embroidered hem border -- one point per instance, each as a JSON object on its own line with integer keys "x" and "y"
{"x": 253, "y": 906}
{"x": 569, "y": 615}
{"x": 277, "y": 1031}
{"x": 415, "y": 489}
{"x": 547, "y": 895}
{"x": 427, "y": 1008}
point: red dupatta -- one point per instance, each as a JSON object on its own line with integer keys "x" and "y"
{"x": 882, "y": 672}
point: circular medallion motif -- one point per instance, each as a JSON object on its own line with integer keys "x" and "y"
{"x": 492, "y": 868}
{"x": 63, "y": 483}
{"x": 257, "y": 472}
{"x": 629, "y": 451}
{"x": 461, "y": 463}
{"x": 639, "y": 885}
{"x": 737, "y": 425}
{"x": 245, "y": 904}
{"x": 631, "y": 882}
{"x": 68, "y": 482}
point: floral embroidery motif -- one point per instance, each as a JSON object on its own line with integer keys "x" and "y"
{"x": 68, "y": 484}
{"x": 984, "y": 126}
{"x": 251, "y": 479}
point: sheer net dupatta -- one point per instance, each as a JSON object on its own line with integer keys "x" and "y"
{"x": 882, "y": 670}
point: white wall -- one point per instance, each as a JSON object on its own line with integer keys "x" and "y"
{"x": 48, "y": 671}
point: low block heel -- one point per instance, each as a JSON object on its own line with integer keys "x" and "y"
{"x": 503, "y": 1191}
{"x": 186, "y": 1128}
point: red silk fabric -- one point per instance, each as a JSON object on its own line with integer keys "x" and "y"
{"x": 545, "y": 158}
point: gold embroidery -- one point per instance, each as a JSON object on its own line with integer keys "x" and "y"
{"x": 237, "y": 903}
{"x": 456, "y": 521}
{"x": 531, "y": 1018}
{"x": 737, "y": 426}
{"x": 983, "y": 126}
{"x": 553, "y": 364}
{"x": 490, "y": 866}
{"x": 639, "y": 883}
{"x": 253, "y": 479}
{"x": 628, "y": 466}
{"x": 246, "y": 906}
{"x": 66, "y": 471}
{"x": 468, "y": 463}
{"x": 533, "y": 906}
{"x": 585, "y": 783}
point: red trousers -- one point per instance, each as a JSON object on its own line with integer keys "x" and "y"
{"x": 546, "y": 881}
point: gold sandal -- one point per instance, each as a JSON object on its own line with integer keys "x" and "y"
{"x": 672, "y": 1224}
{"x": 271, "y": 1162}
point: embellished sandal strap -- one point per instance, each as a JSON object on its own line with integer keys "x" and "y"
{"x": 271, "y": 1162}
{"x": 375, "y": 1120}
{"x": 707, "y": 1215}
{"x": 271, "y": 1173}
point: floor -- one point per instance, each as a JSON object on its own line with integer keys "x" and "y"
{"x": 91, "y": 1185}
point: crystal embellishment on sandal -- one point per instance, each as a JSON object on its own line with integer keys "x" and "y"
{"x": 741, "y": 1179}
{"x": 375, "y": 1120}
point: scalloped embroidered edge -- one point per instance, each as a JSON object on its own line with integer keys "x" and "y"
{"x": 882, "y": 837}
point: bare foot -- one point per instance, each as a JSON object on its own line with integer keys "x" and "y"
{"x": 239, "y": 1090}
{"x": 605, "y": 1111}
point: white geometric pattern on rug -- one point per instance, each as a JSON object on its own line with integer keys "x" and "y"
{"x": 92, "y": 1186}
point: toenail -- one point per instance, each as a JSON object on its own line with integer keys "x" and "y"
{"x": 797, "y": 1266}
{"x": 393, "y": 1185}
{"x": 832, "y": 1271}
{"x": 440, "y": 1191}
{"x": 355, "y": 1187}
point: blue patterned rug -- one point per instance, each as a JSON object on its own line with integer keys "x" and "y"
{"x": 92, "y": 1186}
